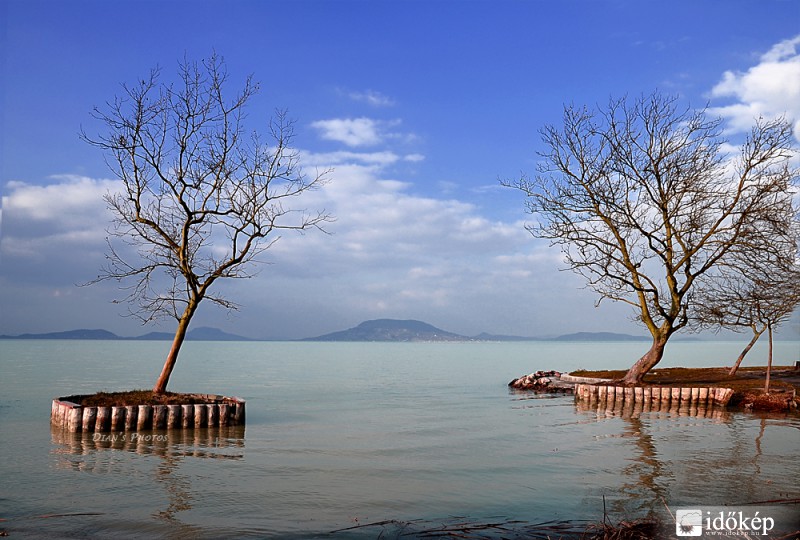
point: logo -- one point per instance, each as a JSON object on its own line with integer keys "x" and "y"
{"x": 689, "y": 522}
{"x": 749, "y": 522}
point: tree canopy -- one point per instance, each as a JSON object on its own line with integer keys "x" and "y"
{"x": 200, "y": 196}
{"x": 644, "y": 198}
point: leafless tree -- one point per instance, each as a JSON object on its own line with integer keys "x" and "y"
{"x": 644, "y": 198}
{"x": 755, "y": 288}
{"x": 200, "y": 197}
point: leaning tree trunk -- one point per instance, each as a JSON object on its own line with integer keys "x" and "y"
{"x": 637, "y": 372}
{"x": 172, "y": 357}
{"x": 746, "y": 350}
{"x": 769, "y": 359}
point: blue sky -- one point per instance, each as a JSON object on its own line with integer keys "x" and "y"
{"x": 418, "y": 106}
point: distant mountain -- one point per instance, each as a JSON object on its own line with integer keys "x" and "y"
{"x": 69, "y": 334}
{"x": 600, "y": 336}
{"x": 411, "y": 330}
{"x": 198, "y": 334}
{"x": 205, "y": 333}
{"x": 392, "y": 330}
{"x": 375, "y": 330}
{"x": 202, "y": 333}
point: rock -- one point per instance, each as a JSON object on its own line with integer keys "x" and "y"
{"x": 539, "y": 381}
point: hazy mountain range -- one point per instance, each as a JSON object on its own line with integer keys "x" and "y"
{"x": 411, "y": 330}
{"x": 389, "y": 330}
{"x": 198, "y": 334}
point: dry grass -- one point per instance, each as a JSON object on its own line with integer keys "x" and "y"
{"x": 134, "y": 397}
{"x": 624, "y": 530}
{"x": 745, "y": 378}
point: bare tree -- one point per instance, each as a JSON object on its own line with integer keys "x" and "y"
{"x": 643, "y": 200}
{"x": 200, "y": 197}
{"x": 756, "y": 289}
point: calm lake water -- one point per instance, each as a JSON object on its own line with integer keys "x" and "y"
{"x": 346, "y": 434}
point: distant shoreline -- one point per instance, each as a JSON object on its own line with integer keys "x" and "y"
{"x": 373, "y": 331}
{"x": 80, "y": 335}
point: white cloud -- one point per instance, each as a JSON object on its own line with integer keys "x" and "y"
{"x": 54, "y": 234}
{"x": 70, "y": 211}
{"x": 397, "y": 254}
{"x": 770, "y": 88}
{"x": 364, "y": 132}
{"x": 392, "y": 253}
{"x": 67, "y": 199}
{"x": 351, "y": 131}
{"x": 372, "y": 98}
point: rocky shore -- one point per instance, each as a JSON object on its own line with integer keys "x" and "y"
{"x": 543, "y": 381}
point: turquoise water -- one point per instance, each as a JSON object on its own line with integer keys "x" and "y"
{"x": 346, "y": 434}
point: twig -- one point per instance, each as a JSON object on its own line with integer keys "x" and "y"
{"x": 668, "y": 510}
{"x": 374, "y": 524}
{"x": 46, "y": 516}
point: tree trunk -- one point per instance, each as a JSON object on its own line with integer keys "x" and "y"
{"x": 769, "y": 359}
{"x": 637, "y": 372}
{"x": 746, "y": 350}
{"x": 172, "y": 357}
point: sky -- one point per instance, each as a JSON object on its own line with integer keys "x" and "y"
{"x": 420, "y": 108}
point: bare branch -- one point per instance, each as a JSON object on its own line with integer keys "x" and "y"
{"x": 643, "y": 202}
{"x": 200, "y": 197}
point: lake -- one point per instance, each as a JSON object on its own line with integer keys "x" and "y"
{"x": 343, "y": 435}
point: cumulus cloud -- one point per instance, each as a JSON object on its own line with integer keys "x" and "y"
{"x": 381, "y": 219}
{"x": 68, "y": 212}
{"x": 392, "y": 253}
{"x": 363, "y": 132}
{"x": 351, "y": 131}
{"x": 770, "y": 88}
{"x": 395, "y": 253}
{"x": 66, "y": 198}
{"x": 53, "y": 235}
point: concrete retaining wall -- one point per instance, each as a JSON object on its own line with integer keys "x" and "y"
{"x": 214, "y": 411}
{"x": 700, "y": 396}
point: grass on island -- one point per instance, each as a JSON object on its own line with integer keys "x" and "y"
{"x": 134, "y": 397}
{"x": 746, "y": 378}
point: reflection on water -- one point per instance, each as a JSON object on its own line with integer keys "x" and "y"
{"x": 220, "y": 442}
{"x": 696, "y": 455}
{"x": 629, "y": 409}
{"x": 346, "y": 434}
{"x": 645, "y": 481}
{"x": 84, "y": 452}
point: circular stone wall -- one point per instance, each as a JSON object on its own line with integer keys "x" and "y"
{"x": 213, "y": 410}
